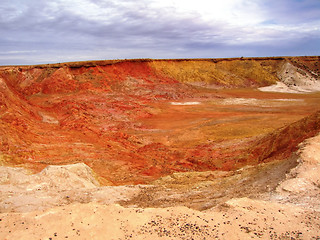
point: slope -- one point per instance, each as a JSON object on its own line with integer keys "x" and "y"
{"x": 117, "y": 116}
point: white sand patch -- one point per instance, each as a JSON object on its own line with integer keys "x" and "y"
{"x": 294, "y": 80}
{"x": 288, "y": 100}
{"x": 240, "y": 101}
{"x": 259, "y": 102}
{"x": 48, "y": 119}
{"x": 283, "y": 88}
{"x": 305, "y": 178}
{"x": 185, "y": 103}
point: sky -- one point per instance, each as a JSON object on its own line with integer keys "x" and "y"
{"x": 51, "y": 31}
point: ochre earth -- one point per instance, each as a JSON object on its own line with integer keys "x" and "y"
{"x": 133, "y": 121}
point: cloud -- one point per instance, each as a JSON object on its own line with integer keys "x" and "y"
{"x": 63, "y": 30}
{"x": 293, "y": 11}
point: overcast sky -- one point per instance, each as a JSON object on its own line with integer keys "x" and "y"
{"x": 34, "y": 31}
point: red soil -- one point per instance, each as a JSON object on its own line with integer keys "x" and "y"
{"x": 116, "y": 117}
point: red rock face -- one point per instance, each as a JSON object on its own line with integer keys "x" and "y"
{"x": 117, "y": 118}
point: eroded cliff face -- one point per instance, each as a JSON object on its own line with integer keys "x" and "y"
{"x": 118, "y": 118}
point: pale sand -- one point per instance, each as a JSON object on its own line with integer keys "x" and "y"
{"x": 237, "y": 219}
{"x": 185, "y": 103}
{"x": 294, "y": 80}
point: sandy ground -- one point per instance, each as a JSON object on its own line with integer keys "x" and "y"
{"x": 66, "y": 202}
{"x": 238, "y": 219}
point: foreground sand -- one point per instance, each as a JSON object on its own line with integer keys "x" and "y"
{"x": 238, "y": 219}
{"x": 291, "y": 211}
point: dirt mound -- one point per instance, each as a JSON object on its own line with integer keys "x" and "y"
{"x": 23, "y": 191}
{"x": 295, "y": 80}
{"x": 73, "y": 176}
{"x": 63, "y": 177}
